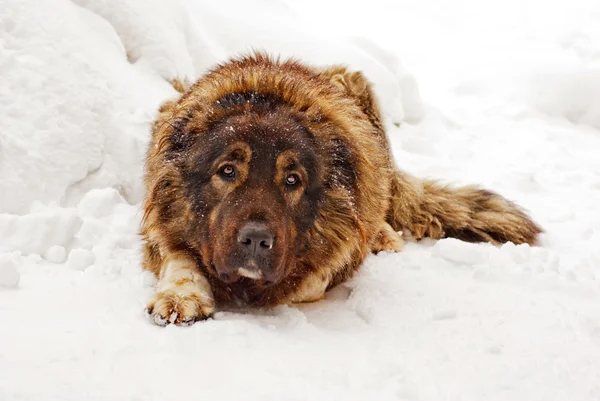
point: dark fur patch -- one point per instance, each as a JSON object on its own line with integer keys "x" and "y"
{"x": 251, "y": 99}
{"x": 343, "y": 166}
{"x": 467, "y": 234}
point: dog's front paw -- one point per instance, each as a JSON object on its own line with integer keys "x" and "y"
{"x": 179, "y": 308}
{"x": 387, "y": 240}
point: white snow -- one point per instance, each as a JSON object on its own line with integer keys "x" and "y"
{"x": 55, "y": 254}
{"x": 505, "y": 94}
{"x": 9, "y": 275}
{"x": 80, "y": 259}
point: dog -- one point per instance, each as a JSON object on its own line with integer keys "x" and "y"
{"x": 269, "y": 181}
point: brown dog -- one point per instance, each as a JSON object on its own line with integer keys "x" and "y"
{"x": 269, "y": 182}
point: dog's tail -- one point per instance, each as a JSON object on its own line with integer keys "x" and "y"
{"x": 429, "y": 209}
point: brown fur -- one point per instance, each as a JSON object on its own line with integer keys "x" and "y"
{"x": 363, "y": 199}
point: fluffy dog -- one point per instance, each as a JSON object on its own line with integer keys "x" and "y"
{"x": 269, "y": 182}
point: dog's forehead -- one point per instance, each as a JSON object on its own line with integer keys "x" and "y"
{"x": 267, "y": 135}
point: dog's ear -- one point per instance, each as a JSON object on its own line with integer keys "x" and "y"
{"x": 355, "y": 84}
{"x": 180, "y": 85}
{"x": 167, "y": 107}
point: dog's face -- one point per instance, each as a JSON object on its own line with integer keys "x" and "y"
{"x": 254, "y": 186}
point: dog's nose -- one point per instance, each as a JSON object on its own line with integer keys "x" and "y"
{"x": 256, "y": 238}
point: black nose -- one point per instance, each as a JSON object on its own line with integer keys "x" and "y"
{"x": 256, "y": 238}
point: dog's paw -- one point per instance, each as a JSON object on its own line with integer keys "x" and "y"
{"x": 178, "y": 308}
{"x": 387, "y": 240}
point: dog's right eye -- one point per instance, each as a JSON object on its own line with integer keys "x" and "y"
{"x": 227, "y": 171}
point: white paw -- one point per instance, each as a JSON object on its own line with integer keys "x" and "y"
{"x": 388, "y": 240}
{"x": 179, "y": 308}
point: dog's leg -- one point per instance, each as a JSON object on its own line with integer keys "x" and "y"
{"x": 428, "y": 209}
{"x": 183, "y": 295}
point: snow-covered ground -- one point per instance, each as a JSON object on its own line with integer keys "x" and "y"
{"x": 504, "y": 94}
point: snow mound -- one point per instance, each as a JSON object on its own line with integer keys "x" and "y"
{"x": 9, "y": 275}
{"x": 70, "y": 120}
{"x": 36, "y": 232}
{"x": 461, "y": 252}
{"x": 99, "y": 202}
{"x": 572, "y": 94}
{"x": 55, "y": 254}
{"x": 80, "y": 259}
{"x": 157, "y": 35}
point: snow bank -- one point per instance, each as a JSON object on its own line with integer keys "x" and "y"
{"x": 157, "y": 35}
{"x": 72, "y": 117}
{"x": 36, "y": 232}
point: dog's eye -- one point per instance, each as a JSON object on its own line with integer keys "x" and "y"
{"x": 292, "y": 180}
{"x": 227, "y": 171}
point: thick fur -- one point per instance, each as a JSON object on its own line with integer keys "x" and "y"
{"x": 354, "y": 202}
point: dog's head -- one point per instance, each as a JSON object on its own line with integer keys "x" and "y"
{"x": 260, "y": 171}
{"x": 252, "y": 180}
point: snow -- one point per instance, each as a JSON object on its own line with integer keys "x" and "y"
{"x": 9, "y": 275}
{"x": 502, "y": 94}
{"x": 80, "y": 259}
{"x": 55, "y": 254}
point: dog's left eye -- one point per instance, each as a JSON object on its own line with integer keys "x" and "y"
{"x": 292, "y": 180}
{"x": 228, "y": 171}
